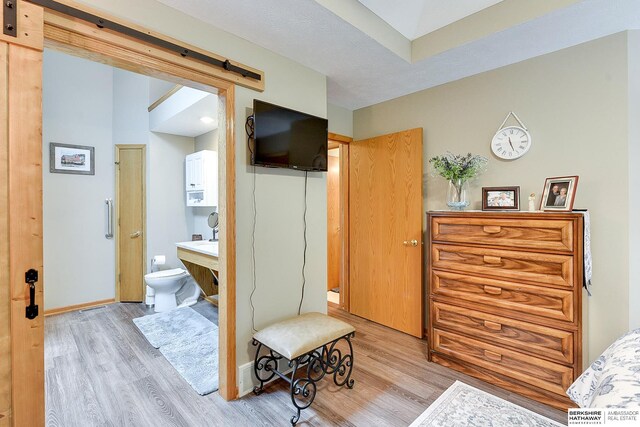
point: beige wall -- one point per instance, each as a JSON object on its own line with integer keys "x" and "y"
{"x": 279, "y": 192}
{"x": 340, "y": 120}
{"x": 634, "y": 178}
{"x": 574, "y": 102}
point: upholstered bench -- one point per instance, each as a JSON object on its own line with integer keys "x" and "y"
{"x": 309, "y": 339}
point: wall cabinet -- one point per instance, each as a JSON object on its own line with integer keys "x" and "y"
{"x": 506, "y": 299}
{"x": 201, "y": 178}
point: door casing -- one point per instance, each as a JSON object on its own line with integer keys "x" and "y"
{"x": 342, "y": 143}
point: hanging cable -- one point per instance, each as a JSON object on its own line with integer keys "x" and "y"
{"x": 248, "y": 127}
{"x": 304, "y": 252}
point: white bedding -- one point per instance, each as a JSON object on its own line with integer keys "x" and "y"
{"x": 612, "y": 381}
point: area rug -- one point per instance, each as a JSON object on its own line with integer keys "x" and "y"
{"x": 189, "y": 341}
{"x": 464, "y": 406}
{"x": 196, "y": 359}
{"x": 163, "y": 328}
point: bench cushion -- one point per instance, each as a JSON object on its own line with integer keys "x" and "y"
{"x": 301, "y": 334}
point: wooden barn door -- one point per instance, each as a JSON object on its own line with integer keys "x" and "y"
{"x": 21, "y": 359}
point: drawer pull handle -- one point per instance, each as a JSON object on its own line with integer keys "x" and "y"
{"x": 492, "y": 290}
{"x": 494, "y": 357}
{"x": 491, "y": 229}
{"x": 492, "y": 325}
{"x": 492, "y": 259}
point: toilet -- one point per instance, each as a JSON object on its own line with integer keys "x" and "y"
{"x": 172, "y": 288}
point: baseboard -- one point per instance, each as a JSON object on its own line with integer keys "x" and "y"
{"x": 247, "y": 381}
{"x": 77, "y": 307}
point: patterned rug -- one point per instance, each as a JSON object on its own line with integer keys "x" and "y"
{"x": 189, "y": 341}
{"x": 464, "y": 406}
{"x": 163, "y": 328}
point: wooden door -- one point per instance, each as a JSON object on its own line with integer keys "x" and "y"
{"x": 385, "y": 210}
{"x": 21, "y": 358}
{"x": 334, "y": 236}
{"x": 130, "y": 217}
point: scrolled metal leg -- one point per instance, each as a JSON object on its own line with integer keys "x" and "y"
{"x": 345, "y": 367}
{"x": 264, "y": 366}
{"x": 303, "y": 390}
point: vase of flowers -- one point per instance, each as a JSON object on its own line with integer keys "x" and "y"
{"x": 458, "y": 170}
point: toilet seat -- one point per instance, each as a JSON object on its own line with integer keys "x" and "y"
{"x": 165, "y": 273}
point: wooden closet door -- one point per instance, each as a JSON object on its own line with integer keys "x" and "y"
{"x": 385, "y": 209}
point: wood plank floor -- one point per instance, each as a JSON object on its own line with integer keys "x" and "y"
{"x": 101, "y": 371}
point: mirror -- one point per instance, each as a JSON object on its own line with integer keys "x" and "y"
{"x": 213, "y": 220}
{"x": 213, "y": 223}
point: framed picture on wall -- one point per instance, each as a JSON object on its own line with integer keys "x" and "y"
{"x": 74, "y": 159}
{"x": 558, "y": 193}
{"x": 500, "y": 198}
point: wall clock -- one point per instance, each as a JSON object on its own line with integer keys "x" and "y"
{"x": 511, "y": 142}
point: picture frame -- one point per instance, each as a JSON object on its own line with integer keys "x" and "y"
{"x": 71, "y": 159}
{"x": 559, "y": 193}
{"x": 500, "y": 198}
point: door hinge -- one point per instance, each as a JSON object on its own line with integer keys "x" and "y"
{"x": 10, "y": 18}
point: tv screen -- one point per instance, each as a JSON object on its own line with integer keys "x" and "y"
{"x": 289, "y": 139}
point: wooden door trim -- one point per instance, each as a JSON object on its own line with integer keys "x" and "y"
{"x": 118, "y": 148}
{"x": 61, "y": 34}
{"x": 342, "y": 143}
{"x": 65, "y": 30}
{"x": 340, "y": 138}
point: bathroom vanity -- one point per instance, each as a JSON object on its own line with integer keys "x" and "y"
{"x": 200, "y": 257}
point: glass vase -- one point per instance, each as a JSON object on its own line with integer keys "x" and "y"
{"x": 457, "y": 194}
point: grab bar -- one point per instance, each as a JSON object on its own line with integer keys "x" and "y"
{"x": 109, "y": 203}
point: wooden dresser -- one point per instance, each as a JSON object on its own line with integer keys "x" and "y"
{"x": 506, "y": 299}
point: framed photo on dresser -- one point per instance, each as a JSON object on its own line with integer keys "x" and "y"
{"x": 558, "y": 193}
{"x": 500, "y": 198}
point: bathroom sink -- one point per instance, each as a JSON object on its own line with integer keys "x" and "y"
{"x": 203, "y": 246}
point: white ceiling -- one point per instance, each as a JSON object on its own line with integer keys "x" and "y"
{"x": 180, "y": 113}
{"x": 415, "y": 18}
{"x": 360, "y": 71}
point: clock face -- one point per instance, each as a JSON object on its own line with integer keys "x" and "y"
{"x": 511, "y": 142}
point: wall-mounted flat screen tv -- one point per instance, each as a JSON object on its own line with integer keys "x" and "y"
{"x": 286, "y": 138}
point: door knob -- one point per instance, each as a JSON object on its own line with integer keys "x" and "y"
{"x": 134, "y": 235}
{"x": 413, "y": 242}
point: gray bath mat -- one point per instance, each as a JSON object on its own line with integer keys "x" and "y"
{"x": 163, "y": 328}
{"x": 196, "y": 359}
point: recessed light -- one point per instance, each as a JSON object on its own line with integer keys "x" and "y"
{"x": 206, "y": 119}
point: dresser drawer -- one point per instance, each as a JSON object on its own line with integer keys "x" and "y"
{"x": 499, "y": 295}
{"x": 541, "y": 269}
{"x": 526, "y": 337}
{"x": 554, "y": 235}
{"x": 540, "y": 373}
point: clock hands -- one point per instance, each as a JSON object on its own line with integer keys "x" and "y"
{"x": 511, "y": 144}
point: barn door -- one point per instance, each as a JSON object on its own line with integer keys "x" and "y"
{"x": 21, "y": 338}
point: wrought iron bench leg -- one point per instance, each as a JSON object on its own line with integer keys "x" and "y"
{"x": 327, "y": 359}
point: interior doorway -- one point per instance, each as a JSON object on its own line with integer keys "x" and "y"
{"x": 22, "y": 402}
{"x": 338, "y": 221}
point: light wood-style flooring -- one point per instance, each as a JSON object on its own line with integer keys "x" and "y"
{"x": 101, "y": 371}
